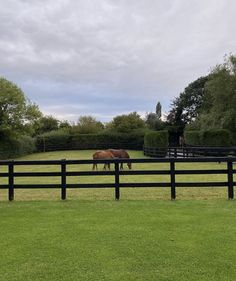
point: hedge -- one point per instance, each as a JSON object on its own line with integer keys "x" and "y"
{"x": 156, "y": 143}
{"x": 65, "y": 141}
{"x": 213, "y": 137}
{"x": 192, "y": 138}
{"x": 216, "y": 138}
{"x": 11, "y": 148}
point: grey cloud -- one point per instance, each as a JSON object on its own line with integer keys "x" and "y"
{"x": 105, "y": 51}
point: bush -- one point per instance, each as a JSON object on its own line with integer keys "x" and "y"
{"x": 54, "y": 140}
{"x": 216, "y": 137}
{"x": 192, "y": 138}
{"x": 11, "y": 148}
{"x": 156, "y": 143}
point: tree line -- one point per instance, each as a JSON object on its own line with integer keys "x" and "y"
{"x": 209, "y": 102}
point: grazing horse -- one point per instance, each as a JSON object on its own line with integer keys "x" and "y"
{"x": 102, "y": 154}
{"x": 120, "y": 153}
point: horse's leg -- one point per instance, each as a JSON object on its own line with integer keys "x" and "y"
{"x": 121, "y": 166}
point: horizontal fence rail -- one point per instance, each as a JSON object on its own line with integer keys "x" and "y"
{"x": 64, "y": 174}
{"x": 189, "y": 151}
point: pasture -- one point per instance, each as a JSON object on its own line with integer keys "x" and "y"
{"x": 143, "y": 237}
{"x": 107, "y": 194}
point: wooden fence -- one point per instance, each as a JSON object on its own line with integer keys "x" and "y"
{"x": 63, "y": 174}
{"x": 189, "y": 151}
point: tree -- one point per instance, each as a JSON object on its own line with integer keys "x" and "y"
{"x": 46, "y": 124}
{"x": 17, "y": 113}
{"x": 186, "y": 108}
{"x": 153, "y": 122}
{"x": 64, "y": 125}
{"x": 158, "y": 110}
{"x": 219, "y": 106}
{"x": 88, "y": 125}
{"x": 126, "y": 123}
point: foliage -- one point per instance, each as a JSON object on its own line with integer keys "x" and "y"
{"x": 153, "y": 122}
{"x": 62, "y": 140}
{"x": 17, "y": 114}
{"x": 213, "y": 137}
{"x": 219, "y": 106}
{"x": 126, "y": 123}
{"x": 46, "y": 124}
{"x": 216, "y": 137}
{"x": 13, "y": 147}
{"x": 156, "y": 143}
{"x": 54, "y": 140}
{"x": 87, "y": 125}
{"x": 158, "y": 110}
{"x": 187, "y": 106}
{"x": 192, "y": 138}
{"x": 156, "y": 139}
{"x": 64, "y": 125}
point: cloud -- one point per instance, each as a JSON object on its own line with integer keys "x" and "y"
{"x": 107, "y": 57}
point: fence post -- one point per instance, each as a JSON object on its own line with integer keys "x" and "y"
{"x": 11, "y": 181}
{"x": 117, "y": 181}
{"x": 63, "y": 179}
{"x": 172, "y": 179}
{"x": 175, "y": 153}
{"x": 230, "y": 180}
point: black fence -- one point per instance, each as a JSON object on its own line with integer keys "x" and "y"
{"x": 63, "y": 174}
{"x": 189, "y": 151}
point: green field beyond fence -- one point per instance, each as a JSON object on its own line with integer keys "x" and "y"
{"x": 217, "y": 179}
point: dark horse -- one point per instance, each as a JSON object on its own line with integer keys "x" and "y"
{"x": 102, "y": 154}
{"x": 120, "y": 153}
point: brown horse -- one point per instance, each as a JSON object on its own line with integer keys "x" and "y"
{"x": 102, "y": 154}
{"x": 120, "y": 153}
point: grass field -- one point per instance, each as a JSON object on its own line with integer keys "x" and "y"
{"x": 125, "y": 240}
{"x": 142, "y": 237}
{"x": 108, "y": 194}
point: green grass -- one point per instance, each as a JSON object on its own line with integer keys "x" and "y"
{"x": 125, "y": 240}
{"x": 144, "y": 236}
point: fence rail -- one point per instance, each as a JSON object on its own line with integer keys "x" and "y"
{"x": 11, "y": 174}
{"x": 189, "y": 151}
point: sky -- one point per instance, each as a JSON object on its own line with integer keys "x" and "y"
{"x": 110, "y": 57}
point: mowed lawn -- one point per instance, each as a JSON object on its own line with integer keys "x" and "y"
{"x": 144, "y": 236}
{"x": 125, "y": 240}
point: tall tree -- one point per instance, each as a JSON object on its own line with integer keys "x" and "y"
{"x": 158, "y": 110}
{"x": 17, "y": 113}
{"x": 126, "y": 123}
{"x": 88, "y": 125}
{"x": 219, "y": 107}
{"x": 187, "y": 106}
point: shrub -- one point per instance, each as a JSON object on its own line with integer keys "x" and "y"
{"x": 54, "y": 140}
{"x": 156, "y": 143}
{"x": 192, "y": 138}
{"x": 216, "y": 137}
{"x": 11, "y": 148}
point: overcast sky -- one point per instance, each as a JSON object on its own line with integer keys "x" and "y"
{"x": 110, "y": 57}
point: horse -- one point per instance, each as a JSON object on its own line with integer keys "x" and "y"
{"x": 102, "y": 154}
{"x": 120, "y": 153}
{"x": 181, "y": 141}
